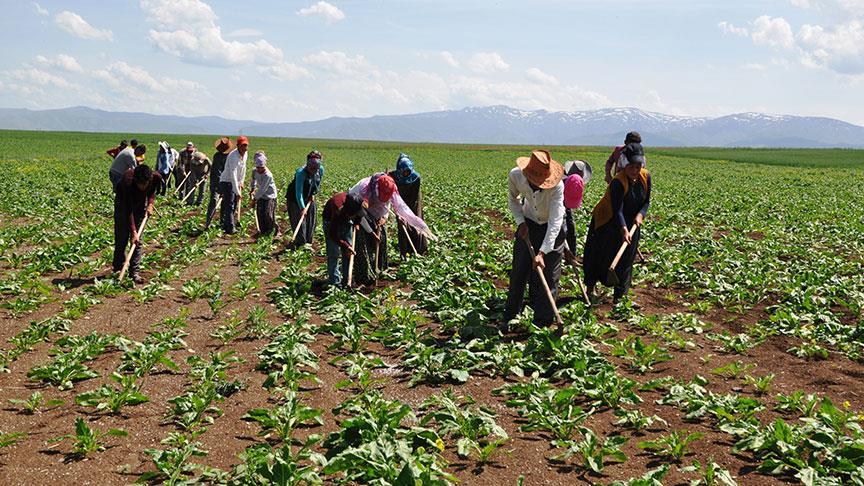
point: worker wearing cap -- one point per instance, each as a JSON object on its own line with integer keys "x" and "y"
{"x": 184, "y": 161}
{"x": 231, "y": 185}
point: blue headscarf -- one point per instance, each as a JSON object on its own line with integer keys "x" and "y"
{"x": 402, "y": 164}
{"x": 300, "y": 177}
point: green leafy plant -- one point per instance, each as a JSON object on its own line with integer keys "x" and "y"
{"x": 282, "y": 419}
{"x": 460, "y": 418}
{"x": 593, "y": 452}
{"x": 113, "y": 398}
{"x": 87, "y": 440}
{"x": 672, "y": 446}
{"x": 641, "y": 356}
{"x": 34, "y": 403}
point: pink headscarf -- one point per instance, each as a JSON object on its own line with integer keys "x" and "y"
{"x": 574, "y": 186}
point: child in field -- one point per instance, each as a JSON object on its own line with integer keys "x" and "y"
{"x": 265, "y": 197}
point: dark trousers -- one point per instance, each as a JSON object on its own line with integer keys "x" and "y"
{"x": 524, "y": 274}
{"x": 194, "y": 180}
{"x": 307, "y": 227}
{"x": 179, "y": 176}
{"x": 229, "y": 207}
{"x": 122, "y": 235}
{"x": 163, "y": 185}
{"x": 265, "y": 209}
{"x": 601, "y": 245}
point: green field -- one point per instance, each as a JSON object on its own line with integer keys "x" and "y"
{"x": 745, "y": 360}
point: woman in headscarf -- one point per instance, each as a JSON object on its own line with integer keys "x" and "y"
{"x": 577, "y": 173}
{"x": 301, "y": 192}
{"x": 378, "y": 192}
{"x": 625, "y": 204}
{"x": 408, "y": 184}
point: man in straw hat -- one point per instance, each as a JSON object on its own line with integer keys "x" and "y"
{"x": 539, "y": 215}
{"x": 223, "y": 146}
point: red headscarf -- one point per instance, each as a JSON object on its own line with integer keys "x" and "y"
{"x": 386, "y": 188}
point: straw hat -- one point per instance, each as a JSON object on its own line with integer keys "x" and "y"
{"x": 224, "y": 145}
{"x": 540, "y": 169}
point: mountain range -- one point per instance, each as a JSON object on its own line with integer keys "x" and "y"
{"x": 491, "y": 125}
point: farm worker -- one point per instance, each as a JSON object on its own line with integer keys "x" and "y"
{"x": 164, "y": 163}
{"x": 112, "y": 152}
{"x": 408, "y": 185}
{"x": 223, "y": 146}
{"x": 378, "y": 192}
{"x": 133, "y": 143}
{"x": 612, "y": 163}
{"x": 231, "y": 185}
{"x": 625, "y": 203}
{"x": 301, "y": 192}
{"x": 265, "y": 197}
{"x": 183, "y": 168}
{"x": 200, "y": 166}
{"x": 536, "y": 201}
{"x": 133, "y": 198}
{"x": 577, "y": 173}
{"x": 128, "y": 158}
{"x": 341, "y": 214}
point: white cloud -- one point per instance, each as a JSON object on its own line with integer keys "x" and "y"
{"x": 285, "y": 71}
{"x": 773, "y": 32}
{"x": 246, "y": 33}
{"x": 61, "y": 61}
{"x": 839, "y": 48}
{"x": 487, "y": 63}
{"x": 39, "y": 77}
{"x": 77, "y": 26}
{"x": 187, "y": 29}
{"x": 338, "y": 62}
{"x": 39, "y": 9}
{"x": 450, "y": 59}
{"x": 328, "y": 11}
{"x": 538, "y": 76}
{"x": 728, "y": 28}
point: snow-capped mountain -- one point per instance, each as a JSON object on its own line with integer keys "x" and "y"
{"x": 492, "y": 124}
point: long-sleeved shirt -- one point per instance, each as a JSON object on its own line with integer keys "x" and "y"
{"x": 612, "y": 162}
{"x": 130, "y": 201}
{"x": 124, "y": 161}
{"x": 626, "y": 206}
{"x": 544, "y": 206}
{"x": 265, "y": 184}
{"x": 338, "y": 219}
{"x": 235, "y": 170}
{"x": 112, "y": 152}
{"x": 217, "y": 168}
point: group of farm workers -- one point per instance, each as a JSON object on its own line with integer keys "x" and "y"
{"x": 542, "y": 195}
{"x": 354, "y": 221}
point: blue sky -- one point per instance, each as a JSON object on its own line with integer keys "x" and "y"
{"x": 287, "y": 60}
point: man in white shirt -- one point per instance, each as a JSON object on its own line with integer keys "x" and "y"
{"x": 536, "y": 200}
{"x": 231, "y": 184}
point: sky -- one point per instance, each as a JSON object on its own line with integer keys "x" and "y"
{"x": 286, "y": 60}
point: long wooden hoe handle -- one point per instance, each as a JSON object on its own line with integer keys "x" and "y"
{"x": 181, "y": 183}
{"x": 192, "y": 191}
{"x": 300, "y": 222}
{"x": 621, "y": 250}
{"x": 351, "y": 258}
{"x": 132, "y": 250}
{"x": 542, "y": 276}
{"x": 213, "y": 213}
{"x": 404, "y": 229}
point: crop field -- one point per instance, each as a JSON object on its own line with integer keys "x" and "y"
{"x": 231, "y": 365}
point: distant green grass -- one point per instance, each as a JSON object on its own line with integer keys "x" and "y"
{"x": 812, "y": 158}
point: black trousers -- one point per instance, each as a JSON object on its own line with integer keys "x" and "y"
{"x": 122, "y": 235}
{"x": 266, "y": 211}
{"x": 523, "y": 274}
{"x": 229, "y": 207}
